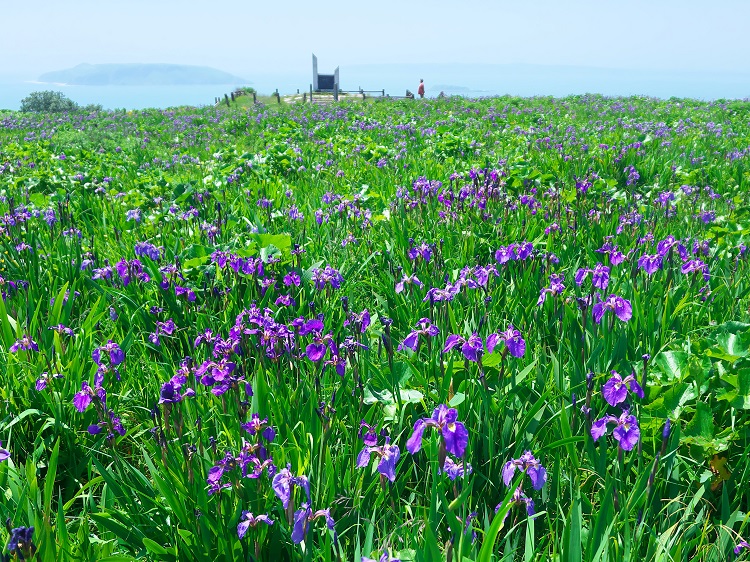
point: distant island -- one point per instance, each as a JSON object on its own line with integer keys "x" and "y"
{"x": 140, "y": 75}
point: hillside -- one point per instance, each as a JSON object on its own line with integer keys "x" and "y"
{"x": 140, "y": 75}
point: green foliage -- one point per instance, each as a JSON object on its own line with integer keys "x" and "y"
{"x": 47, "y": 101}
{"x": 357, "y": 187}
{"x": 50, "y": 101}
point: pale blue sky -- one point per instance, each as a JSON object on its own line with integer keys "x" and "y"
{"x": 247, "y": 37}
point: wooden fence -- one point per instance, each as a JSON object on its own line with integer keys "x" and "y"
{"x": 317, "y": 96}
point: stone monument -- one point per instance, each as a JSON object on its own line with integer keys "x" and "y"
{"x": 324, "y": 82}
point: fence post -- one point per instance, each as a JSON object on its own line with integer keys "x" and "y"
{"x": 304, "y": 97}
{"x": 383, "y": 92}
{"x": 255, "y": 100}
{"x": 311, "y": 98}
{"x": 226, "y": 99}
{"x": 335, "y": 92}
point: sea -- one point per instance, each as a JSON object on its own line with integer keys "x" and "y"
{"x": 469, "y": 80}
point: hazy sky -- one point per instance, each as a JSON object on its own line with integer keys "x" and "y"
{"x": 250, "y": 36}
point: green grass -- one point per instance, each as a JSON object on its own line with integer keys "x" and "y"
{"x": 356, "y": 187}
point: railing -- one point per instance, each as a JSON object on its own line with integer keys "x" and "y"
{"x": 317, "y": 96}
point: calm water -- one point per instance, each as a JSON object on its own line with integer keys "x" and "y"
{"x": 117, "y": 97}
{"x": 465, "y": 79}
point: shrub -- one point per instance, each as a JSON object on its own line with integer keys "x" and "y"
{"x": 47, "y": 101}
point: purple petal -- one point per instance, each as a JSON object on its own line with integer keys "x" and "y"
{"x": 411, "y": 341}
{"x": 242, "y": 529}
{"x": 598, "y": 311}
{"x": 387, "y": 464}
{"x": 508, "y": 470}
{"x": 492, "y": 341}
{"x": 627, "y": 433}
{"x": 363, "y": 458}
{"x": 300, "y": 524}
{"x": 599, "y": 427}
{"x": 315, "y": 352}
{"x": 94, "y": 429}
{"x": 538, "y": 476}
{"x": 456, "y": 438}
{"x": 516, "y": 346}
{"x": 117, "y": 356}
{"x": 81, "y": 401}
{"x": 614, "y": 391}
{"x": 623, "y": 309}
{"x": 452, "y": 341}
{"x": 281, "y": 486}
{"x": 215, "y": 474}
{"x": 414, "y": 444}
{"x": 635, "y": 388}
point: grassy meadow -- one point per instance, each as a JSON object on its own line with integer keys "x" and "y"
{"x": 468, "y": 330}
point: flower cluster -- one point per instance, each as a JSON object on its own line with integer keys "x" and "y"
{"x": 453, "y": 433}
{"x": 388, "y": 454}
{"x": 615, "y": 391}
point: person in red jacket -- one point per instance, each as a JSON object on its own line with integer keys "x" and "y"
{"x": 420, "y": 90}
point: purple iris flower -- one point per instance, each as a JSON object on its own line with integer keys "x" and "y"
{"x": 24, "y": 344}
{"x": 317, "y": 349}
{"x": 455, "y": 436}
{"x": 525, "y": 250}
{"x": 615, "y": 390}
{"x": 216, "y": 472}
{"x": 556, "y": 286}
{"x": 44, "y": 379}
{"x": 691, "y": 266}
{"x": 62, "y": 329}
{"x": 740, "y": 546}
{"x": 408, "y": 280}
{"x": 472, "y": 348}
{"x": 248, "y": 520}
{"x": 292, "y": 278}
{"x": 528, "y": 464}
{"x": 665, "y": 245}
{"x": 187, "y": 292}
{"x": 423, "y": 250}
{"x": 620, "y": 306}
{"x": 368, "y": 434}
{"x": 361, "y": 321}
{"x": 504, "y": 254}
{"x": 424, "y": 327}
{"x": 512, "y": 339}
{"x": 455, "y": 470}
{"x": 21, "y": 544}
{"x": 599, "y": 276}
{"x": 4, "y": 455}
{"x": 170, "y": 392}
{"x": 627, "y": 433}
{"x": 327, "y": 276}
{"x": 304, "y": 516}
{"x": 82, "y": 400}
{"x": 337, "y": 361}
{"x": 283, "y": 484}
{"x": 650, "y": 263}
{"x": 383, "y": 558}
{"x": 581, "y": 275}
{"x": 616, "y": 257}
{"x": 519, "y": 498}
{"x": 116, "y": 355}
{"x": 389, "y": 456}
{"x": 259, "y": 426}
